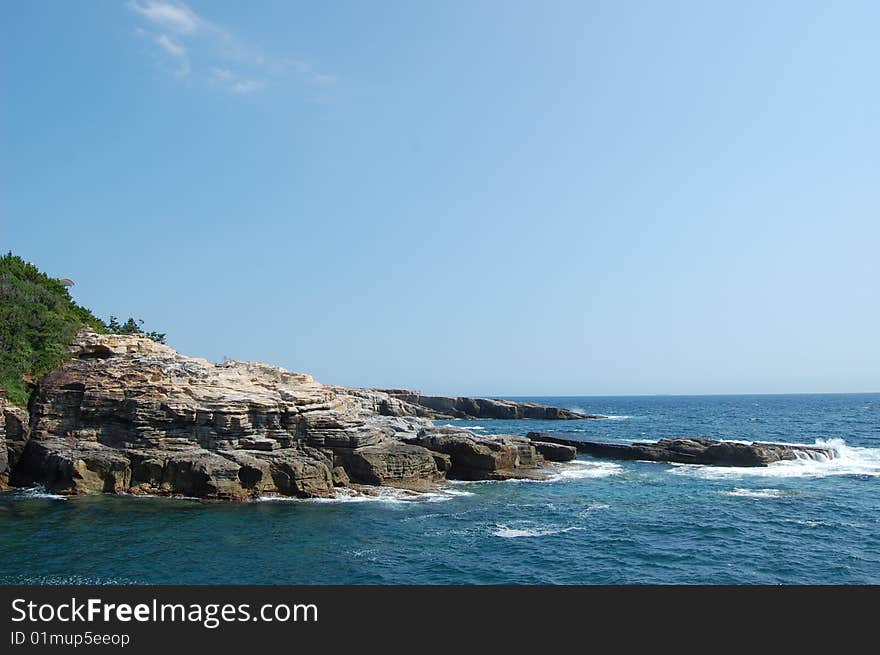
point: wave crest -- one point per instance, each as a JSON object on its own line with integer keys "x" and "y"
{"x": 506, "y": 532}
{"x": 755, "y": 493}
{"x": 849, "y": 460}
{"x": 37, "y": 491}
{"x": 374, "y": 495}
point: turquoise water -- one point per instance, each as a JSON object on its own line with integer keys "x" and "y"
{"x": 597, "y": 522}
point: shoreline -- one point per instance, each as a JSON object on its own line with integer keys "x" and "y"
{"x": 125, "y": 414}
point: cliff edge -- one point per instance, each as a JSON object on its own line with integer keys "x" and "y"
{"x": 124, "y": 414}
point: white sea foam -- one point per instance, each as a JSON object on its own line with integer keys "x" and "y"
{"x": 755, "y": 493}
{"x": 578, "y": 469}
{"x": 573, "y": 470}
{"x": 144, "y": 496}
{"x": 455, "y": 492}
{"x": 374, "y": 495}
{"x": 613, "y": 417}
{"x": 506, "y": 532}
{"x": 73, "y": 579}
{"x": 592, "y": 507}
{"x": 369, "y": 554}
{"x": 38, "y": 491}
{"x": 466, "y": 427}
{"x": 850, "y": 460}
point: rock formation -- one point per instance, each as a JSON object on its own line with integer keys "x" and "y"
{"x": 126, "y": 414}
{"x": 404, "y": 402}
{"x": 695, "y": 451}
{"x": 475, "y": 457}
{"x": 14, "y": 433}
{"x": 555, "y": 452}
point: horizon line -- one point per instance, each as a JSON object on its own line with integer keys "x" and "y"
{"x": 678, "y": 395}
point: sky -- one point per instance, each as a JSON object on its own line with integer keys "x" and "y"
{"x": 461, "y": 197}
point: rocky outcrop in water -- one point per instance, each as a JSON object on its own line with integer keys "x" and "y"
{"x": 695, "y": 451}
{"x": 481, "y": 458}
{"x": 555, "y": 452}
{"x": 394, "y": 464}
{"x": 404, "y": 402}
{"x": 126, "y": 414}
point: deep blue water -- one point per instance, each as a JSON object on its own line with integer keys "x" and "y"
{"x": 598, "y": 522}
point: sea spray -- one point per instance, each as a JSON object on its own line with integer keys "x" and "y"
{"x": 849, "y": 461}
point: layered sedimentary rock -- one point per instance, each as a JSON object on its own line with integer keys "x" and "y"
{"x": 14, "y": 433}
{"x": 555, "y": 452}
{"x": 125, "y": 414}
{"x": 695, "y": 451}
{"x": 403, "y": 402}
{"x": 473, "y": 457}
{"x": 393, "y": 463}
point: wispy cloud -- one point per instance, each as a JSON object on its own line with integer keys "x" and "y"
{"x": 176, "y": 51}
{"x": 171, "y": 46}
{"x": 198, "y": 46}
{"x": 224, "y": 78}
{"x": 176, "y": 17}
{"x": 307, "y": 71}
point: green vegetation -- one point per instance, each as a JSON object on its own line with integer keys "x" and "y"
{"x": 38, "y": 320}
{"x": 131, "y": 326}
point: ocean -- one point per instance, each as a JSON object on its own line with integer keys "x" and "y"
{"x": 596, "y": 522}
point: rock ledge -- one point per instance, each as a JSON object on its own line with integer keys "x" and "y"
{"x": 695, "y": 451}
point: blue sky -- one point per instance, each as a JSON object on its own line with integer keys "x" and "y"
{"x": 463, "y": 197}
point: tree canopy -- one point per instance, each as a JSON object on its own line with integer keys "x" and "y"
{"x": 38, "y": 321}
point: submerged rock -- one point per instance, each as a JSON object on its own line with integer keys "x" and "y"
{"x": 695, "y": 451}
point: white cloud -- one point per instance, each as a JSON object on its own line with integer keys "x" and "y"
{"x": 176, "y": 51}
{"x": 247, "y": 86}
{"x": 306, "y": 71}
{"x": 173, "y": 16}
{"x": 227, "y": 62}
{"x": 221, "y": 74}
{"x": 171, "y": 46}
{"x": 227, "y": 80}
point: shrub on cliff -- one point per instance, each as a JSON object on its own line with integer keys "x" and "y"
{"x": 38, "y": 319}
{"x": 132, "y": 326}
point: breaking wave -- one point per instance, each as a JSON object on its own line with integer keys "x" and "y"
{"x": 850, "y": 460}
{"x": 579, "y": 469}
{"x": 374, "y": 495}
{"x": 506, "y": 532}
{"x": 573, "y": 470}
{"x": 38, "y": 491}
{"x": 755, "y": 493}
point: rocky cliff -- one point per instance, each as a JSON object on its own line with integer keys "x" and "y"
{"x": 126, "y": 414}
{"x": 14, "y": 434}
